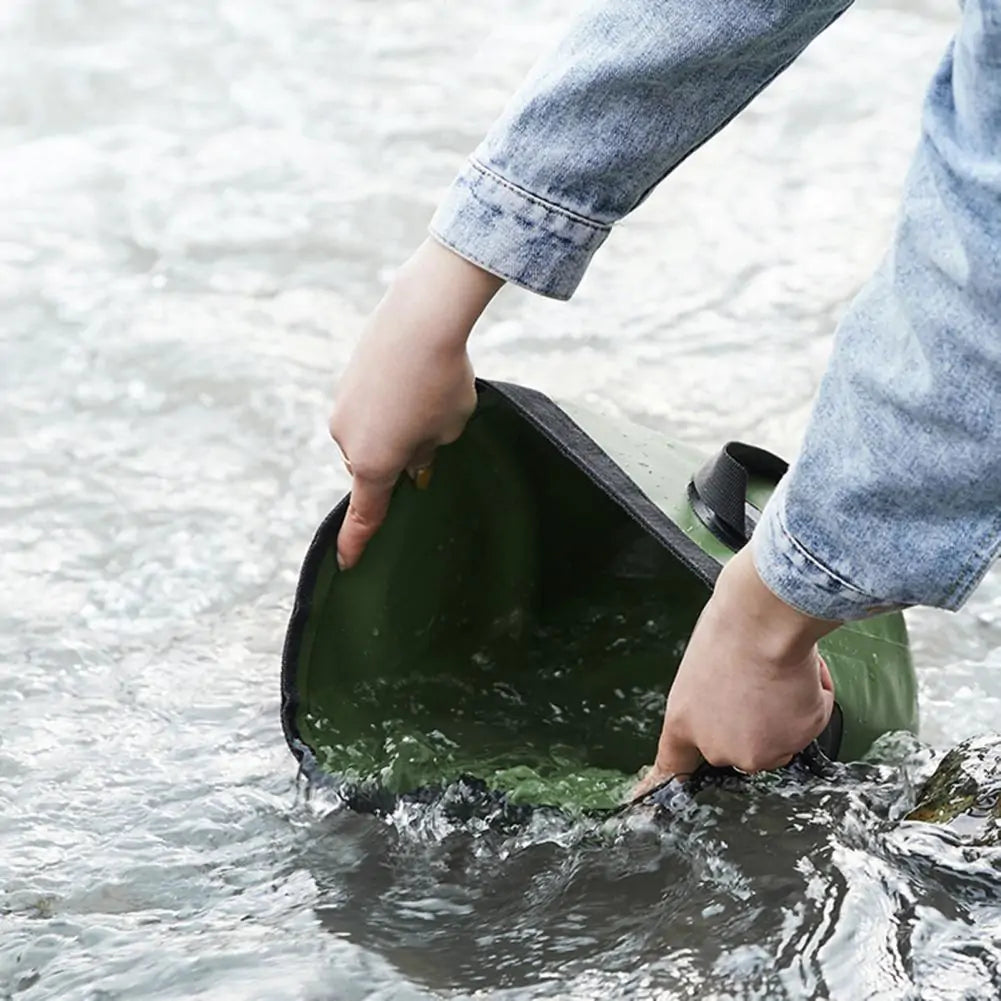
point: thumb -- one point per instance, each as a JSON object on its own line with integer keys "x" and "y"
{"x": 366, "y": 512}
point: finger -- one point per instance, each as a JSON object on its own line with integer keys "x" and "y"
{"x": 827, "y": 696}
{"x": 366, "y": 512}
{"x": 676, "y": 755}
{"x": 782, "y": 759}
{"x": 771, "y": 765}
{"x": 420, "y": 467}
{"x": 823, "y": 717}
{"x": 652, "y": 779}
{"x": 826, "y": 681}
{"x": 421, "y": 475}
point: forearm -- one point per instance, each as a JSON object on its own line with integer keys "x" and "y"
{"x": 634, "y": 88}
{"x": 896, "y": 497}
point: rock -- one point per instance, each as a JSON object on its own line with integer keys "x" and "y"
{"x": 964, "y": 793}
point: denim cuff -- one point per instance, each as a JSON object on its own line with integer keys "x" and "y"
{"x": 514, "y": 234}
{"x": 791, "y": 572}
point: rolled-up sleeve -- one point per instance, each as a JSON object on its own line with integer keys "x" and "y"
{"x": 895, "y": 499}
{"x": 633, "y": 89}
{"x": 514, "y": 234}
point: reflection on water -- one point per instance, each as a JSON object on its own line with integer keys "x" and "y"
{"x": 198, "y": 203}
{"x": 783, "y": 890}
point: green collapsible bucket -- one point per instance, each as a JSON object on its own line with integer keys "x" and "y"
{"x": 519, "y": 622}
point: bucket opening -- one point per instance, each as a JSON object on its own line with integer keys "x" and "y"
{"x": 511, "y": 623}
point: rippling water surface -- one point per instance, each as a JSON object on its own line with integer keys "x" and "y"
{"x": 198, "y": 203}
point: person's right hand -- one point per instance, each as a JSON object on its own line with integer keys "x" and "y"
{"x": 408, "y": 387}
{"x": 752, "y": 689}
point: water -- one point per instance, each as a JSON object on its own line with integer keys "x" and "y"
{"x": 198, "y": 203}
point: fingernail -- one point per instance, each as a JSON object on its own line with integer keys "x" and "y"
{"x": 341, "y": 563}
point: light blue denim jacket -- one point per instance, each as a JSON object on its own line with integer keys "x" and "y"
{"x": 895, "y": 498}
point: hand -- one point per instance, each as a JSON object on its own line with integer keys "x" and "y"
{"x": 408, "y": 387}
{"x": 751, "y": 690}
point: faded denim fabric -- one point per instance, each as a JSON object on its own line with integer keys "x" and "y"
{"x": 895, "y": 499}
{"x": 633, "y": 88}
{"x": 896, "y": 496}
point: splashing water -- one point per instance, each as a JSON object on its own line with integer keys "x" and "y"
{"x": 199, "y": 203}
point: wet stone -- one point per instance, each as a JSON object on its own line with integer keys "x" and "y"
{"x": 964, "y": 792}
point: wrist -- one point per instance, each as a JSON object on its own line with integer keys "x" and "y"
{"x": 449, "y": 291}
{"x": 773, "y": 629}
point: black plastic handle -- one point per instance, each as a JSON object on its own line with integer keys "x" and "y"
{"x": 718, "y": 491}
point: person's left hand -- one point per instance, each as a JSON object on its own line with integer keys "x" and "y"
{"x": 409, "y": 386}
{"x": 752, "y": 690}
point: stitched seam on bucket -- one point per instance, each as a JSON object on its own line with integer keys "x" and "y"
{"x": 685, "y": 550}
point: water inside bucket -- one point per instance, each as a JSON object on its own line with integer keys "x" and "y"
{"x": 565, "y": 719}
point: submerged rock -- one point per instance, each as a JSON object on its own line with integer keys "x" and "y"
{"x": 964, "y": 793}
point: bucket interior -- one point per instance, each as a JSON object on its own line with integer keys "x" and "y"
{"x": 511, "y": 622}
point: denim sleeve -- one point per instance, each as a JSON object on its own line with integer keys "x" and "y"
{"x": 895, "y": 499}
{"x": 633, "y": 88}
